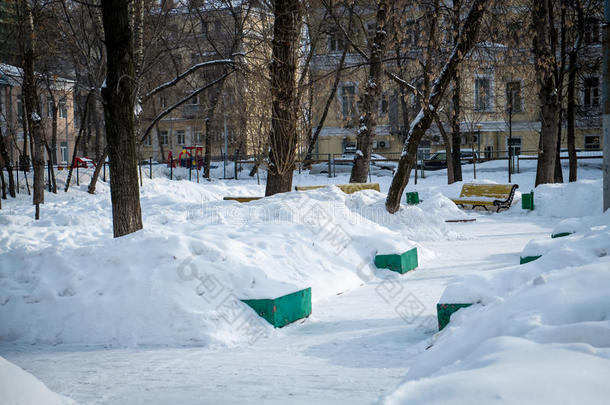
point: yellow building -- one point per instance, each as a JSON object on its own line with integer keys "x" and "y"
{"x": 11, "y": 113}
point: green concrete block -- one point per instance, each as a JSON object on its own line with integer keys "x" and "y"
{"x": 444, "y": 311}
{"x": 413, "y": 198}
{"x": 527, "y": 259}
{"x": 527, "y": 201}
{"x": 398, "y": 263}
{"x": 561, "y": 234}
{"x": 283, "y": 310}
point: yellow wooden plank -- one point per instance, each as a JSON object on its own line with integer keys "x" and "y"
{"x": 241, "y": 199}
{"x": 499, "y": 191}
{"x": 473, "y": 202}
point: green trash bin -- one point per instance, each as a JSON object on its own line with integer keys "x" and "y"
{"x": 413, "y": 198}
{"x": 527, "y": 201}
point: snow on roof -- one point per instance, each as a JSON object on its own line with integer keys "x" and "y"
{"x": 12, "y": 75}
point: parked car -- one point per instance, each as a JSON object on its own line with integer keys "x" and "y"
{"x": 344, "y": 164}
{"x": 438, "y": 160}
{"x": 83, "y": 162}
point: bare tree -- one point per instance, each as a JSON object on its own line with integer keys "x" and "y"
{"x": 119, "y": 98}
{"x": 543, "y": 45}
{"x": 466, "y": 40}
{"x": 283, "y": 137}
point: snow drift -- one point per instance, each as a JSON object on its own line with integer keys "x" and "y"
{"x": 64, "y": 279}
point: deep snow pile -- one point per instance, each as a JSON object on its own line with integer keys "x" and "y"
{"x": 543, "y": 326}
{"x": 63, "y": 279}
{"x": 18, "y": 387}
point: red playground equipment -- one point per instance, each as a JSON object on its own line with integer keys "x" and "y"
{"x": 190, "y": 155}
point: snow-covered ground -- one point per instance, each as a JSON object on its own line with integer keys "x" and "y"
{"x": 154, "y": 317}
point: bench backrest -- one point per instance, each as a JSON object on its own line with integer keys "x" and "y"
{"x": 346, "y": 188}
{"x": 241, "y": 199}
{"x": 500, "y": 191}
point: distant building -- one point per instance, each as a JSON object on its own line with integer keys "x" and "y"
{"x": 11, "y": 113}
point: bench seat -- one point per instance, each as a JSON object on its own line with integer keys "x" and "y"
{"x": 487, "y": 195}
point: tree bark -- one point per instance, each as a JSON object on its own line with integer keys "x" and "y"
{"x": 331, "y": 96}
{"x": 571, "y": 118}
{"x": 283, "y": 137}
{"x": 372, "y": 94}
{"x": 447, "y": 142}
{"x": 96, "y": 173}
{"x": 7, "y": 164}
{"x": 456, "y": 135}
{"x": 119, "y": 97}
{"x": 547, "y": 92}
{"x": 466, "y": 40}
{"x": 31, "y": 105}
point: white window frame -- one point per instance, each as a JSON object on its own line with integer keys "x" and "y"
{"x": 341, "y": 99}
{"x": 590, "y": 106}
{"x": 521, "y": 101}
{"x": 490, "y": 106}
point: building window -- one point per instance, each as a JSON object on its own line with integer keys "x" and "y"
{"x": 591, "y": 92}
{"x": 204, "y": 28}
{"x": 63, "y": 108}
{"x": 592, "y": 142}
{"x": 194, "y": 100}
{"x": 515, "y": 145}
{"x": 19, "y": 109}
{"x": 164, "y": 138}
{"x": 49, "y": 107}
{"x": 591, "y": 34}
{"x": 180, "y": 138}
{"x": 483, "y": 93}
{"x": 63, "y": 147}
{"x": 513, "y": 97}
{"x": 147, "y": 140}
{"x": 198, "y": 137}
{"x": 489, "y": 152}
{"x": 163, "y": 101}
{"x": 336, "y": 41}
{"x": 348, "y": 93}
{"x": 383, "y": 105}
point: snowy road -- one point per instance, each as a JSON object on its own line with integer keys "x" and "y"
{"x": 354, "y": 348}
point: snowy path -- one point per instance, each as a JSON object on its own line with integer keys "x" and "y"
{"x": 354, "y": 348}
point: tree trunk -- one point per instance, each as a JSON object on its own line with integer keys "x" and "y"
{"x": 283, "y": 137}
{"x": 571, "y": 117}
{"x": 78, "y": 139}
{"x": 31, "y": 105}
{"x": 547, "y": 93}
{"x": 466, "y": 40}
{"x": 456, "y": 135}
{"x": 208, "y": 149}
{"x": 119, "y": 96}
{"x": 372, "y": 94}
{"x": 96, "y": 173}
{"x": 447, "y": 142}
{"x": 331, "y": 96}
{"x": 7, "y": 164}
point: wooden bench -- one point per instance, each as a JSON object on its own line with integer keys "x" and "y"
{"x": 346, "y": 188}
{"x": 241, "y": 199}
{"x": 487, "y": 195}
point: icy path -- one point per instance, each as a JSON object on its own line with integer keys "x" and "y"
{"x": 354, "y": 348}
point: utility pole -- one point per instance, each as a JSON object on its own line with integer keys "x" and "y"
{"x": 606, "y": 99}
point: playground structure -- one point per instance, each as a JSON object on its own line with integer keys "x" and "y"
{"x": 190, "y": 156}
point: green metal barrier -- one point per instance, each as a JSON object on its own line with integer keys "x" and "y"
{"x": 398, "y": 263}
{"x": 283, "y": 310}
